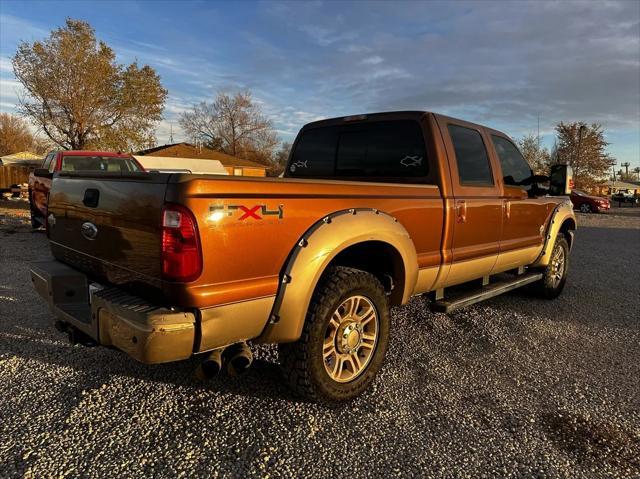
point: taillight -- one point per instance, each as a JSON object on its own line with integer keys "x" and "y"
{"x": 181, "y": 253}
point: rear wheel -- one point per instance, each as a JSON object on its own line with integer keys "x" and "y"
{"x": 344, "y": 339}
{"x": 555, "y": 274}
{"x": 585, "y": 208}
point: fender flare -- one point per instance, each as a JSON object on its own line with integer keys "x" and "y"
{"x": 315, "y": 251}
{"x": 562, "y": 213}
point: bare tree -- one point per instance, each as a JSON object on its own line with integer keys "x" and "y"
{"x": 584, "y": 148}
{"x": 15, "y": 136}
{"x": 538, "y": 158}
{"x": 280, "y": 159}
{"x": 232, "y": 124}
{"x": 80, "y": 97}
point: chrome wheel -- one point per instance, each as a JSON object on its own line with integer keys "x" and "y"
{"x": 350, "y": 339}
{"x": 557, "y": 266}
{"x": 585, "y": 208}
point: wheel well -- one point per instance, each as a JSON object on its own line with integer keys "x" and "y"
{"x": 380, "y": 259}
{"x": 568, "y": 225}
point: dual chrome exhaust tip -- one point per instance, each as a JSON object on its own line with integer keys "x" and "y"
{"x": 235, "y": 359}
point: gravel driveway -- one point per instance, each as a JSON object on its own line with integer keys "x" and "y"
{"x": 515, "y": 387}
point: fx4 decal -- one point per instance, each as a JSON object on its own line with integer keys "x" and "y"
{"x": 256, "y": 212}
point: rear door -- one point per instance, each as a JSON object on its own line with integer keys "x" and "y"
{"x": 478, "y": 206}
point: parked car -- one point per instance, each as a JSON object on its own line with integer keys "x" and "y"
{"x": 372, "y": 210}
{"x": 588, "y": 203}
{"x": 71, "y": 160}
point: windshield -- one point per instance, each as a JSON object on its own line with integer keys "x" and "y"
{"x": 579, "y": 193}
{"x": 99, "y": 163}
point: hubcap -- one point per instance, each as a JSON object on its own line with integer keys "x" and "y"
{"x": 557, "y": 266}
{"x": 350, "y": 339}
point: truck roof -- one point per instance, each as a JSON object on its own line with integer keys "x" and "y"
{"x": 388, "y": 115}
{"x": 93, "y": 153}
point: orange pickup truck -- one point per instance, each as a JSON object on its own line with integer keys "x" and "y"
{"x": 372, "y": 210}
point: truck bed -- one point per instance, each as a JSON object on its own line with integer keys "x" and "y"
{"x": 247, "y": 227}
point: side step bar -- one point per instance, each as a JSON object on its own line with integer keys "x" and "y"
{"x": 468, "y": 298}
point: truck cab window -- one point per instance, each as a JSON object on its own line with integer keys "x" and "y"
{"x": 515, "y": 169}
{"x": 471, "y": 156}
{"x": 386, "y": 150}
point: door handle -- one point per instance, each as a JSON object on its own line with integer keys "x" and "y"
{"x": 507, "y": 209}
{"x": 461, "y": 211}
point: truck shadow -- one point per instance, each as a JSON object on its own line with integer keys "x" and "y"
{"x": 263, "y": 379}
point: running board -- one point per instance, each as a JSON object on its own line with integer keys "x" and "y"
{"x": 461, "y": 300}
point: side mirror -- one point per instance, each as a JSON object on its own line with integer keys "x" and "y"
{"x": 561, "y": 180}
{"x": 43, "y": 172}
{"x": 540, "y": 179}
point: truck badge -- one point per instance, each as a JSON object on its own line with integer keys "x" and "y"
{"x": 256, "y": 212}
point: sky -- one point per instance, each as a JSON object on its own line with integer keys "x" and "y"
{"x": 498, "y": 63}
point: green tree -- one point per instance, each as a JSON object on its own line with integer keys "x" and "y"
{"x": 584, "y": 148}
{"x": 538, "y": 157}
{"x": 80, "y": 97}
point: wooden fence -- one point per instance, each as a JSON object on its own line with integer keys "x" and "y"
{"x": 14, "y": 174}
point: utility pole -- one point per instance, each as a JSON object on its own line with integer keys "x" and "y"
{"x": 171, "y": 133}
{"x": 538, "y": 131}
{"x": 580, "y": 132}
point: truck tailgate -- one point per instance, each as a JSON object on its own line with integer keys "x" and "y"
{"x": 108, "y": 225}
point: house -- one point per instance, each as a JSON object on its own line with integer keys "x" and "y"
{"x": 15, "y": 168}
{"x": 612, "y": 187}
{"x": 233, "y": 165}
{"x": 23, "y": 158}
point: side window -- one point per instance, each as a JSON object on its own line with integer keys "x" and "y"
{"x": 474, "y": 168}
{"x": 515, "y": 169}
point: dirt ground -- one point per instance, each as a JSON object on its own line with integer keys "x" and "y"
{"x": 513, "y": 387}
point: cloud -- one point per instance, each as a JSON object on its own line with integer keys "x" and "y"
{"x": 374, "y": 60}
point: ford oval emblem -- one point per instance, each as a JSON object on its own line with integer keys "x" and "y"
{"x": 89, "y": 230}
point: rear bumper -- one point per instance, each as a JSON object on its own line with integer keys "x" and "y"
{"x": 147, "y": 332}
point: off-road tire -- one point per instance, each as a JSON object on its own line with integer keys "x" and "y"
{"x": 302, "y": 361}
{"x": 548, "y": 288}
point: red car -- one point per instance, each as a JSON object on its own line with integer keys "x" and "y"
{"x": 589, "y": 204}
{"x": 71, "y": 160}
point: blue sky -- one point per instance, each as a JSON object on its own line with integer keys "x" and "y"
{"x": 497, "y": 63}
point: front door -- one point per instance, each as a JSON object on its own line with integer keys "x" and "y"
{"x": 525, "y": 217}
{"x": 477, "y": 203}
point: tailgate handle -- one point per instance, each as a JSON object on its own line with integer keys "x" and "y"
{"x": 91, "y": 197}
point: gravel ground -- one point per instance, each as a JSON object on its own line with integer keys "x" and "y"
{"x": 514, "y": 387}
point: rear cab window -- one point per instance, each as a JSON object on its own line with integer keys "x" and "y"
{"x": 392, "y": 151}
{"x": 98, "y": 163}
{"x": 474, "y": 167}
